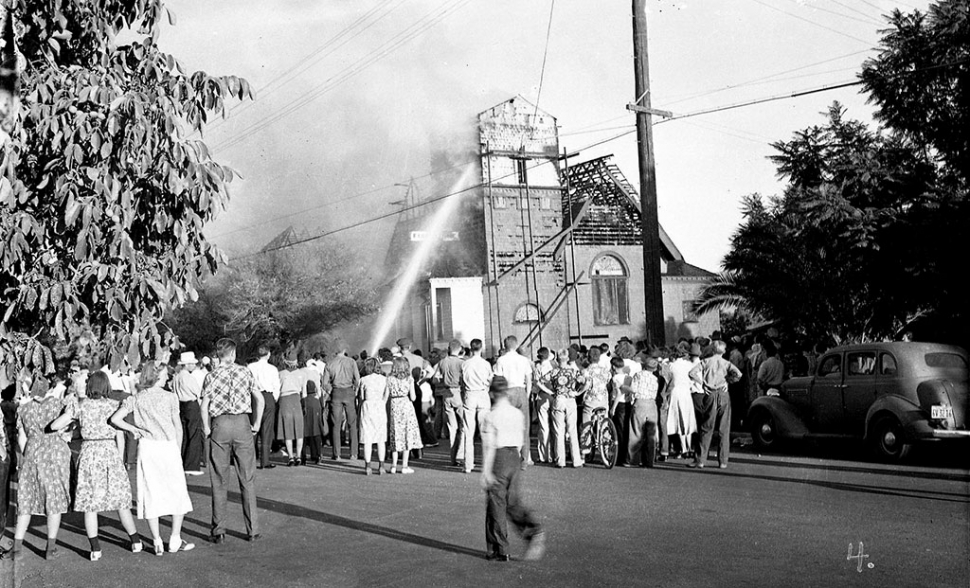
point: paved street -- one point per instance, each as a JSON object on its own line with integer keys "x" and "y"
{"x": 768, "y": 520}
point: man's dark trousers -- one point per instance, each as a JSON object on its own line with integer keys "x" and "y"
{"x": 713, "y": 410}
{"x": 192, "y": 437}
{"x": 267, "y": 426}
{"x": 504, "y": 503}
{"x": 519, "y": 398}
{"x": 342, "y": 407}
{"x": 232, "y": 435}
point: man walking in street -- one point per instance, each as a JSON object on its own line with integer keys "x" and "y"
{"x": 447, "y": 387}
{"x": 187, "y": 386}
{"x": 232, "y": 410}
{"x": 517, "y": 371}
{"x": 268, "y": 381}
{"x": 501, "y": 478}
{"x": 712, "y": 404}
{"x": 476, "y": 376}
{"x": 340, "y": 381}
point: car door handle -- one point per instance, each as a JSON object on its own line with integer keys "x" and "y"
{"x": 841, "y": 385}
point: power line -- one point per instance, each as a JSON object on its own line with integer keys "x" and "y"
{"x": 875, "y": 20}
{"x": 296, "y": 68}
{"x": 415, "y": 29}
{"x": 811, "y": 22}
{"x": 339, "y": 201}
{"x": 868, "y": 19}
{"x": 545, "y": 54}
{"x": 764, "y": 78}
{"x": 795, "y": 94}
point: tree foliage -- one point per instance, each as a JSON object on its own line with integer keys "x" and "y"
{"x": 866, "y": 241}
{"x": 102, "y": 224}
{"x": 284, "y": 296}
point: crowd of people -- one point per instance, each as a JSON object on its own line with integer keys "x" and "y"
{"x": 73, "y": 437}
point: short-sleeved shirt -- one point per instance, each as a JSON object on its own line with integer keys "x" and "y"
{"x": 267, "y": 377}
{"x": 476, "y": 375}
{"x": 188, "y": 385}
{"x": 619, "y": 394}
{"x": 644, "y": 387}
{"x": 565, "y": 381}
{"x": 515, "y": 368}
{"x": 156, "y": 411}
{"x": 448, "y": 378}
{"x": 504, "y": 426}
{"x": 229, "y": 389}
{"x": 599, "y": 378}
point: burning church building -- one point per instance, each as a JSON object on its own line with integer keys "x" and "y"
{"x": 534, "y": 245}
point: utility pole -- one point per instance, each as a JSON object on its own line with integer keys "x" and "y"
{"x": 653, "y": 292}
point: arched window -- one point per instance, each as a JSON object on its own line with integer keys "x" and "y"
{"x": 611, "y": 303}
{"x": 527, "y": 313}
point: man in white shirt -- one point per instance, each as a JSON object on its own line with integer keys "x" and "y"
{"x": 502, "y": 443}
{"x": 268, "y": 381}
{"x": 517, "y": 371}
{"x": 187, "y": 386}
{"x": 476, "y": 377}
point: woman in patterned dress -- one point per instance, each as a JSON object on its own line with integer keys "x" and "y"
{"x": 161, "y": 480}
{"x": 45, "y": 472}
{"x": 404, "y": 433}
{"x": 102, "y": 482}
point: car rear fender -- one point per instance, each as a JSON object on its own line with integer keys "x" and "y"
{"x": 787, "y": 421}
{"x": 909, "y": 415}
{"x": 945, "y": 392}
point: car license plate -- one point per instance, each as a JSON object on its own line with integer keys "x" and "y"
{"x": 941, "y": 412}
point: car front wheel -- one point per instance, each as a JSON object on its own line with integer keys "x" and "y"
{"x": 763, "y": 429}
{"x": 887, "y": 439}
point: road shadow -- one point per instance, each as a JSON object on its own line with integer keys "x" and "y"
{"x": 856, "y": 469}
{"x": 339, "y": 521}
{"x": 920, "y": 494}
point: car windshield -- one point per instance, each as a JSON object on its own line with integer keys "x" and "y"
{"x": 945, "y": 360}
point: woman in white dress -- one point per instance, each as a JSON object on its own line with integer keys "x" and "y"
{"x": 372, "y": 394}
{"x": 680, "y": 419}
{"x": 161, "y": 480}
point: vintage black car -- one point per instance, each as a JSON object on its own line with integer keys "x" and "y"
{"x": 892, "y": 395}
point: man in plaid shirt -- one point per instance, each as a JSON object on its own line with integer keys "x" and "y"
{"x": 228, "y": 398}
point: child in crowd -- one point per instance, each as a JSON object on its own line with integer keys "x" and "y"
{"x": 372, "y": 394}
{"x": 502, "y": 440}
{"x": 314, "y": 425}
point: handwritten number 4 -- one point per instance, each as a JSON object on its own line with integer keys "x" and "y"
{"x": 859, "y": 557}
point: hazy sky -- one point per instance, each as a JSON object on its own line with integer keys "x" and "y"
{"x": 320, "y": 149}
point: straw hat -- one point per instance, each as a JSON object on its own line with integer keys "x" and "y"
{"x": 187, "y": 358}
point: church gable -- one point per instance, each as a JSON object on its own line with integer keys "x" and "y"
{"x": 613, "y": 215}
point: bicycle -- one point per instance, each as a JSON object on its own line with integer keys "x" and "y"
{"x": 599, "y": 436}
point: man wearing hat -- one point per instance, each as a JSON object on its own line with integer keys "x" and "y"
{"x": 187, "y": 386}
{"x": 712, "y": 405}
{"x": 502, "y": 440}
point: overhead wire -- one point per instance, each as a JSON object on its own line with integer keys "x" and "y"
{"x": 880, "y": 21}
{"x": 312, "y": 58}
{"x": 415, "y": 29}
{"x": 868, "y": 19}
{"x": 340, "y": 200}
{"x": 678, "y": 100}
{"x": 811, "y": 22}
{"x": 676, "y": 117}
